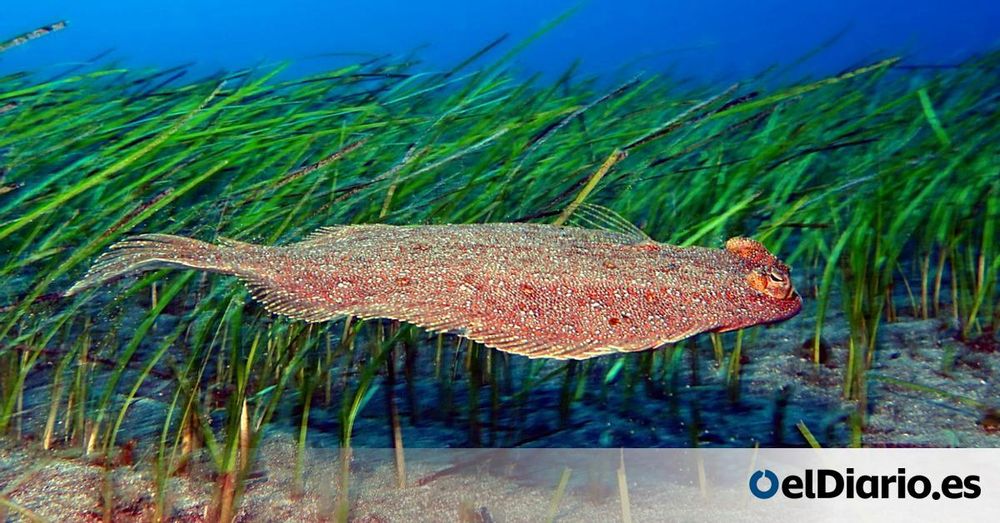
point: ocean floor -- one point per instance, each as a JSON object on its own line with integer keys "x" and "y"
{"x": 464, "y": 485}
{"x": 926, "y": 388}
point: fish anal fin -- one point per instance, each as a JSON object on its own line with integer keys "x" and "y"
{"x": 436, "y": 319}
{"x": 433, "y": 318}
{"x": 278, "y": 301}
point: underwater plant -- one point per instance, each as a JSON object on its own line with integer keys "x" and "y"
{"x": 879, "y": 185}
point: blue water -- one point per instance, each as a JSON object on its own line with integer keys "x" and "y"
{"x": 706, "y": 39}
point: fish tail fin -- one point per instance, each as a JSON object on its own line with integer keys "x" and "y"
{"x": 155, "y": 251}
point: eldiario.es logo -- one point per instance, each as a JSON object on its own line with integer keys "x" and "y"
{"x": 828, "y": 483}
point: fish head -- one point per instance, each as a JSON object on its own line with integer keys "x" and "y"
{"x": 764, "y": 288}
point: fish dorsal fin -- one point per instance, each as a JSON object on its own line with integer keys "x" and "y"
{"x": 593, "y": 216}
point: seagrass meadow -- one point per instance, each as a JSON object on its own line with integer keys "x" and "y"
{"x": 879, "y": 186}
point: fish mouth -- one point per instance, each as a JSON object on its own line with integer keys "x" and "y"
{"x": 796, "y": 299}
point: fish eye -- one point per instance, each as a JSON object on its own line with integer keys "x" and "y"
{"x": 775, "y": 277}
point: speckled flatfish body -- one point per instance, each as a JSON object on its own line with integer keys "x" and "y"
{"x": 531, "y": 289}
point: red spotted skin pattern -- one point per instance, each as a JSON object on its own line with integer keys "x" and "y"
{"x": 531, "y": 289}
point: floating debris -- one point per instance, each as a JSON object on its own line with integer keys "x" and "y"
{"x": 37, "y": 33}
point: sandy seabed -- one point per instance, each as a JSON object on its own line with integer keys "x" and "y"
{"x": 484, "y": 485}
{"x": 467, "y": 485}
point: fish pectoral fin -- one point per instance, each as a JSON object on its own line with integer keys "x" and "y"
{"x": 335, "y": 233}
{"x": 229, "y": 242}
{"x": 591, "y": 216}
